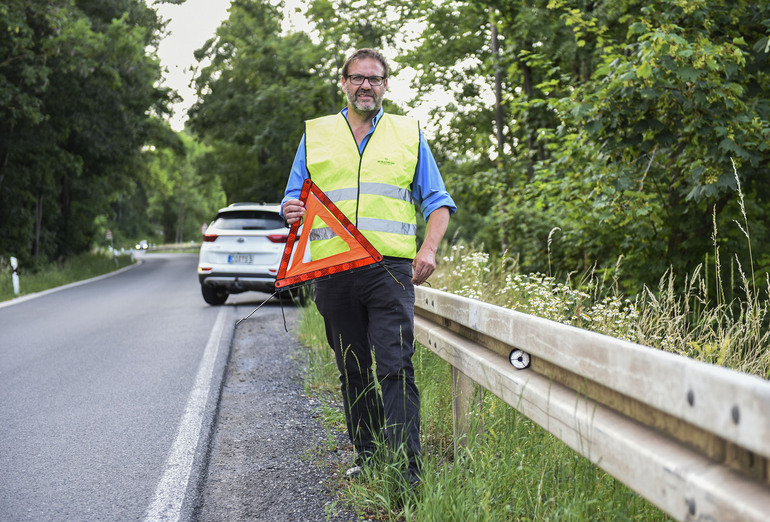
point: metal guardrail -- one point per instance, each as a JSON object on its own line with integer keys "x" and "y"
{"x": 690, "y": 437}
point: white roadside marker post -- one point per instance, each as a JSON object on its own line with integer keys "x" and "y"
{"x": 15, "y": 275}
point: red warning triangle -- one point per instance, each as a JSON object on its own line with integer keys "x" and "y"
{"x": 295, "y": 269}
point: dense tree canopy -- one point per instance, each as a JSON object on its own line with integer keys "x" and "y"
{"x": 81, "y": 128}
{"x": 254, "y": 96}
{"x": 79, "y": 93}
{"x": 261, "y": 83}
{"x": 622, "y": 122}
{"x": 575, "y": 134}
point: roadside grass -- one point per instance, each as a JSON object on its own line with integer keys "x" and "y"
{"x": 175, "y": 248}
{"x": 510, "y": 468}
{"x": 321, "y": 379}
{"x": 79, "y": 268}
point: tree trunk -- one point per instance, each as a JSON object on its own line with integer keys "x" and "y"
{"x": 526, "y": 87}
{"x": 3, "y": 166}
{"x": 498, "y": 92}
{"x": 38, "y": 225}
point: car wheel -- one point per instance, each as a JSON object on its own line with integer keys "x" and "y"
{"x": 214, "y": 295}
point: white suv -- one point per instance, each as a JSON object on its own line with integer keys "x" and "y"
{"x": 241, "y": 251}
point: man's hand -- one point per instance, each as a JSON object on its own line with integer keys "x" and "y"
{"x": 424, "y": 264}
{"x": 293, "y": 211}
{"x": 425, "y": 261}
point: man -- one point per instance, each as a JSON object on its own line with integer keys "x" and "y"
{"x": 374, "y": 166}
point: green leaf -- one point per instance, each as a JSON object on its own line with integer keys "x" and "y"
{"x": 735, "y": 88}
{"x": 688, "y": 74}
{"x": 581, "y": 110}
{"x": 636, "y": 28}
{"x": 644, "y": 71}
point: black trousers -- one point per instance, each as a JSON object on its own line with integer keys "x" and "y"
{"x": 369, "y": 319}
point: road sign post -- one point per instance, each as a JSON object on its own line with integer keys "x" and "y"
{"x": 108, "y": 236}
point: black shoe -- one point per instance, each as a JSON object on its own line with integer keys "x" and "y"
{"x": 411, "y": 486}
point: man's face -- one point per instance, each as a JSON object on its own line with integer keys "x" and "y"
{"x": 365, "y": 98}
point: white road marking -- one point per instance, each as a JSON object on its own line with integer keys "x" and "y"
{"x": 170, "y": 493}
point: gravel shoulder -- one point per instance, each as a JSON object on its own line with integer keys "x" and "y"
{"x": 270, "y": 457}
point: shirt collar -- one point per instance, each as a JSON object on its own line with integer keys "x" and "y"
{"x": 374, "y": 120}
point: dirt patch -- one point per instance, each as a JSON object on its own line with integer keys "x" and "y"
{"x": 270, "y": 458}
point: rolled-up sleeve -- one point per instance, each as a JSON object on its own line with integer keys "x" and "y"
{"x": 428, "y": 189}
{"x": 297, "y": 176}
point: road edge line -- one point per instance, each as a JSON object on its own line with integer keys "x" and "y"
{"x": 169, "y": 498}
{"x": 27, "y": 297}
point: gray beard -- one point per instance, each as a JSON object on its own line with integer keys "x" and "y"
{"x": 361, "y": 110}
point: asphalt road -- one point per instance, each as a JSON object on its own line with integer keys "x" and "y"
{"x": 107, "y": 395}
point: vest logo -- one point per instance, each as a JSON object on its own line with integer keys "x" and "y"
{"x": 385, "y": 161}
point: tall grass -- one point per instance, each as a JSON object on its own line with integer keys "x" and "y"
{"x": 49, "y": 276}
{"x": 513, "y": 471}
{"x": 510, "y": 470}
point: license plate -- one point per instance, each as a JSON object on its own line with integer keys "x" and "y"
{"x": 240, "y": 259}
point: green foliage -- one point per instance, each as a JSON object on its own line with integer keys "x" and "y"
{"x": 619, "y": 123}
{"x": 182, "y": 196}
{"x": 668, "y": 110}
{"x": 254, "y": 97}
{"x": 345, "y": 26}
{"x": 515, "y": 470}
{"x": 621, "y": 120}
{"x": 322, "y": 370}
{"x": 82, "y": 146}
{"x": 77, "y": 87}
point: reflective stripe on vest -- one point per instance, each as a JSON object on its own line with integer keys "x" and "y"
{"x": 377, "y": 189}
{"x": 372, "y": 224}
{"x": 373, "y": 188}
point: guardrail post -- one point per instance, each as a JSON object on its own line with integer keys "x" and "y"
{"x": 466, "y": 398}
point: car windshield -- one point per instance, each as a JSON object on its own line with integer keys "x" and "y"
{"x": 248, "y": 220}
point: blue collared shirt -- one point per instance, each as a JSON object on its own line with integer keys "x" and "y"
{"x": 428, "y": 189}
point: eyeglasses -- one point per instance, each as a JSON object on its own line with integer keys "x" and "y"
{"x": 358, "y": 79}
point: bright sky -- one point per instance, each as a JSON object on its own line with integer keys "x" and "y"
{"x": 190, "y": 25}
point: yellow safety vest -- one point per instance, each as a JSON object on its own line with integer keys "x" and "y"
{"x": 373, "y": 189}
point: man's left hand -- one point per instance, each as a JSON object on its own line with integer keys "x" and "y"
{"x": 425, "y": 261}
{"x": 424, "y": 264}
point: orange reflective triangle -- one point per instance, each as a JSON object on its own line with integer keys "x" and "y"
{"x": 295, "y": 268}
